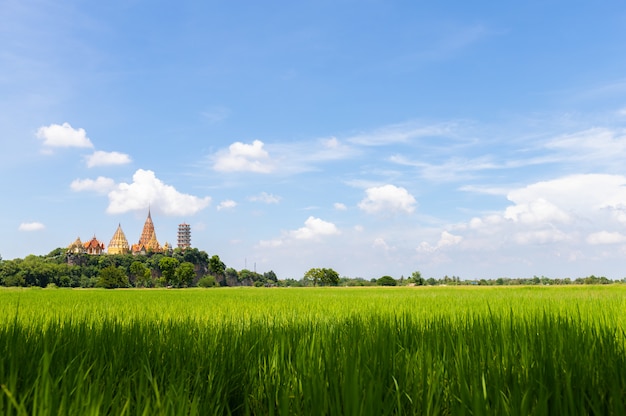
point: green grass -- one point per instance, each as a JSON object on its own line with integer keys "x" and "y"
{"x": 519, "y": 351}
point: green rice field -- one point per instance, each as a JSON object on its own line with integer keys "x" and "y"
{"x": 314, "y": 351}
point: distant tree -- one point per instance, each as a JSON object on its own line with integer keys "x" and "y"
{"x": 168, "y": 266}
{"x": 141, "y": 274}
{"x": 386, "y": 281}
{"x": 184, "y": 274}
{"x": 321, "y": 277}
{"x": 270, "y": 276}
{"x": 216, "y": 266}
{"x": 207, "y": 281}
{"x": 417, "y": 279}
{"x": 112, "y": 277}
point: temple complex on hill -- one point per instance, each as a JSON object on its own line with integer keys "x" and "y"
{"x": 119, "y": 244}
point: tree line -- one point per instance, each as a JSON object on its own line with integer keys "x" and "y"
{"x": 180, "y": 268}
{"x": 192, "y": 267}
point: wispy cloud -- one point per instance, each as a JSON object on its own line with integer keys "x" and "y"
{"x": 31, "y": 226}
{"x": 100, "y": 158}
{"x": 226, "y": 204}
{"x": 399, "y": 133}
{"x": 265, "y": 198}
{"x": 216, "y": 114}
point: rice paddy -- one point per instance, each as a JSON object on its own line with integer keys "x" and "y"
{"x": 344, "y": 351}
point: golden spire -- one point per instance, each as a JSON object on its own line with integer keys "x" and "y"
{"x": 148, "y": 240}
{"x": 119, "y": 243}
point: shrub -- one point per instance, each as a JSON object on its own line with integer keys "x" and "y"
{"x": 207, "y": 281}
{"x": 386, "y": 281}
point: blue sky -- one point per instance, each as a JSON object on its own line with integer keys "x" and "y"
{"x": 373, "y": 137}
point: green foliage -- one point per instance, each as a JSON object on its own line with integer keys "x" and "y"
{"x": 168, "y": 266}
{"x": 112, "y": 277}
{"x": 207, "y": 281}
{"x": 184, "y": 274}
{"x": 386, "y": 281}
{"x": 438, "y": 350}
{"x": 321, "y": 277}
{"x": 216, "y": 266}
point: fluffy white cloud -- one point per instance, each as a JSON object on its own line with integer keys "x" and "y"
{"x": 242, "y": 157}
{"x": 145, "y": 190}
{"x": 559, "y": 212}
{"x": 100, "y": 158}
{"x": 227, "y": 204}
{"x": 387, "y": 198}
{"x": 63, "y": 135}
{"x": 314, "y": 227}
{"x": 265, "y": 198}
{"x": 101, "y": 185}
{"x": 31, "y": 226}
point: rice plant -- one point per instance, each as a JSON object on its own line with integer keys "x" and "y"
{"x": 517, "y": 351}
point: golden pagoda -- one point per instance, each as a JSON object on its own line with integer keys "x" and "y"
{"x": 148, "y": 240}
{"x": 119, "y": 243}
{"x": 76, "y": 247}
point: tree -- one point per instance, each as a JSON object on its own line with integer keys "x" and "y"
{"x": 386, "y": 281}
{"x": 112, "y": 277}
{"x": 417, "y": 278}
{"x": 141, "y": 274}
{"x": 168, "y": 267}
{"x": 270, "y": 276}
{"x": 207, "y": 281}
{"x": 321, "y": 276}
{"x": 216, "y": 266}
{"x": 184, "y": 274}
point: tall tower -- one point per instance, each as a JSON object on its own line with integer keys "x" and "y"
{"x": 184, "y": 236}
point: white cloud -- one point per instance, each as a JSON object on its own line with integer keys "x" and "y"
{"x": 100, "y": 158}
{"x": 445, "y": 240}
{"x": 265, "y": 198}
{"x": 340, "y": 206}
{"x": 535, "y": 211}
{"x": 31, "y": 226}
{"x": 380, "y": 243}
{"x": 598, "y": 144}
{"x": 314, "y": 227}
{"x": 398, "y": 133}
{"x": 145, "y": 190}
{"x": 387, "y": 198}
{"x": 101, "y": 185}
{"x": 63, "y": 135}
{"x": 242, "y": 157}
{"x": 559, "y": 212}
{"x": 606, "y": 237}
{"x": 227, "y": 204}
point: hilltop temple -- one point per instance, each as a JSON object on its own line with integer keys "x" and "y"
{"x": 119, "y": 244}
{"x": 148, "y": 240}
